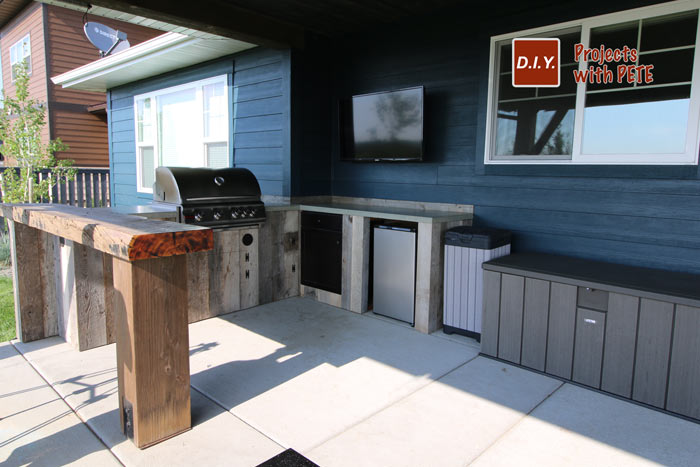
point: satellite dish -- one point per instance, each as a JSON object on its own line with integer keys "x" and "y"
{"x": 106, "y": 39}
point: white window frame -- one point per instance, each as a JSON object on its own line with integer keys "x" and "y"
{"x": 19, "y": 46}
{"x": 202, "y": 156}
{"x": 692, "y": 143}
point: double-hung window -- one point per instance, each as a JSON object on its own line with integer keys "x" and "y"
{"x": 20, "y": 52}
{"x": 591, "y": 122}
{"x": 182, "y": 126}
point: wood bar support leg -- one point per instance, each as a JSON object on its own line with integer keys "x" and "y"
{"x": 429, "y": 272}
{"x": 150, "y": 306}
{"x": 34, "y": 277}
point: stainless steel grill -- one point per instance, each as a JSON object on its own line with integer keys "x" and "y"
{"x": 210, "y": 197}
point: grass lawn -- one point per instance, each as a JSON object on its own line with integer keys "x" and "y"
{"x": 7, "y": 310}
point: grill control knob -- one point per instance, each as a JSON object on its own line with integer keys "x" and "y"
{"x": 198, "y": 216}
{"x": 217, "y": 214}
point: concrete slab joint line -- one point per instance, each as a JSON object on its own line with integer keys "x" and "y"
{"x": 517, "y": 423}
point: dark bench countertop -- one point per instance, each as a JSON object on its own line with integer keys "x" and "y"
{"x": 657, "y": 282}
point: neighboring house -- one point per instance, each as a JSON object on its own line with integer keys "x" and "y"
{"x": 624, "y": 187}
{"x": 50, "y": 40}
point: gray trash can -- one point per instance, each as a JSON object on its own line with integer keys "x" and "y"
{"x": 466, "y": 247}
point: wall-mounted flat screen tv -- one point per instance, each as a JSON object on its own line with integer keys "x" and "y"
{"x": 383, "y": 126}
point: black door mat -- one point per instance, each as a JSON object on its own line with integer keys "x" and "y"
{"x": 288, "y": 458}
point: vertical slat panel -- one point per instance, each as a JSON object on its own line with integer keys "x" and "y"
{"x": 653, "y": 347}
{"x": 449, "y": 287}
{"x": 79, "y": 182}
{"x": 88, "y": 189}
{"x": 510, "y": 326}
{"x": 469, "y": 301}
{"x": 62, "y": 191}
{"x": 588, "y": 351}
{"x": 96, "y": 190}
{"x": 684, "y": 378}
{"x": 535, "y": 316}
{"x": 490, "y": 316}
{"x": 462, "y": 297}
{"x": 71, "y": 192}
{"x": 560, "y": 338}
{"x": 478, "y": 291}
{"x": 620, "y": 339}
{"x": 103, "y": 190}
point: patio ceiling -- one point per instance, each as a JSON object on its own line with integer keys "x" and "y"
{"x": 275, "y": 23}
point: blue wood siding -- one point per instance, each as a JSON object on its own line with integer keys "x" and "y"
{"x": 648, "y": 216}
{"x": 259, "y": 100}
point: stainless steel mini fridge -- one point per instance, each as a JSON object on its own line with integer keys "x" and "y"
{"x": 394, "y": 265}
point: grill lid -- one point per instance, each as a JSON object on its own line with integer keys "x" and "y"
{"x": 187, "y": 186}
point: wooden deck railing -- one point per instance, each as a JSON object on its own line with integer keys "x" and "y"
{"x": 89, "y": 189}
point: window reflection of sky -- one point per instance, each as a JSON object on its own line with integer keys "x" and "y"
{"x": 640, "y": 128}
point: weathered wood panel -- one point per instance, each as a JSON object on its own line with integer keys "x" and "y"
{"x": 511, "y": 323}
{"x": 653, "y": 348}
{"x": 491, "y": 313}
{"x": 560, "y": 337}
{"x": 588, "y": 351}
{"x": 684, "y": 375}
{"x": 225, "y": 273}
{"x": 429, "y": 269}
{"x": 355, "y": 272}
{"x": 153, "y": 367}
{"x": 535, "y": 319}
{"x": 33, "y": 273}
{"x": 86, "y": 290}
{"x": 198, "y": 286}
{"x": 250, "y": 287}
{"x": 620, "y": 341}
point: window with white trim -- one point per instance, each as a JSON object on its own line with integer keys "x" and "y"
{"x": 182, "y": 126}
{"x": 609, "y": 123}
{"x": 20, "y": 52}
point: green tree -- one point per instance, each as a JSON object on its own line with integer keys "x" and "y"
{"x": 21, "y": 121}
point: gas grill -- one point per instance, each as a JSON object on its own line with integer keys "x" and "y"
{"x": 216, "y": 198}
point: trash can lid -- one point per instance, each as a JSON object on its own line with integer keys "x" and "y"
{"x": 477, "y": 237}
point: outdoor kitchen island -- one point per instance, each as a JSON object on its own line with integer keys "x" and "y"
{"x": 149, "y": 299}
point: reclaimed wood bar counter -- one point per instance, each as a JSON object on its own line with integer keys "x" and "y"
{"x": 149, "y": 300}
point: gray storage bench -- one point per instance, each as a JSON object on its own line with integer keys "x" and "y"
{"x": 630, "y": 331}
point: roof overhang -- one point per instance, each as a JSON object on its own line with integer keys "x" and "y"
{"x": 168, "y": 52}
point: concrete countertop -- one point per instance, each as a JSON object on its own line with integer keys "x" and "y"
{"x": 148, "y": 211}
{"x": 384, "y": 212}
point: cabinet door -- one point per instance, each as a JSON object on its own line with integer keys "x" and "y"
{"x": 560, "y": 338}
{"x": 535, "y": 316}
{"x": 491, "y": 311}
{"x": 684, "y": 377}
{"x": 653, "y": 347}
{"x": 620, "y": 340}
{"x": 510, "y": 327}
{"x": 588, "y": 352}
{"x": 249, "y": 267}
{"x": 278, "y": 255}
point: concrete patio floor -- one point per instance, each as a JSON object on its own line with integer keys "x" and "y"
{"x": 340, "y": 388}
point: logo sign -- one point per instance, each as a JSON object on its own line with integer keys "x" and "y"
{"x": 536, "y": 63}
{"x": 106, "y": 39}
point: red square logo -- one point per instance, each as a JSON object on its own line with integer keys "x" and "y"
{"x": 536, "y": 63}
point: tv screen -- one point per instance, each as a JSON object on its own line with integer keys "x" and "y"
{"x": 384, "y": 126}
